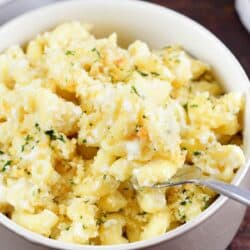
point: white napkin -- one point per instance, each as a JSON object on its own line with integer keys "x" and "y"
{"x": 243, "y": 9}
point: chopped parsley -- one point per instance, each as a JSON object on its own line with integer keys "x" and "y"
{"x": 71, "y": 182}
{"x": 135, "y": 90}
{"x": 183, "y": 148}
{"x": 81, "y": 217}
{"x": 196, "y": 153}
{"x": 183, "y": 203}
{"x": 1, "y": 152}
{"x": 97, "y": 52}
{"x": 6, "y": 164}
{"x": 141, "y": 73}
{"x": 144, "y": 116}
{"x": 194, "y": 106}
{"x": 27, "y": 139}
{"x": 104, "y": 177}
{"x": 185, "y": 106}
{"x": 37, "y": 127}
{"x": 155, "y": 74}
{"x": 70, "y": 53}
{"x": 52, "y": 135}
{"x": 99, "y": 221}
{"x": 67, "y": 228}
{"x": 142, "y": 213}
{"x": 83, "y": 227}
{"x": 182, "y": 216}
{"x": 84, "y": 140}
{"x": 206, "y": 201}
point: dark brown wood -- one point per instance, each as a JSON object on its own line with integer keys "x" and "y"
{"x": 219, "y": 16}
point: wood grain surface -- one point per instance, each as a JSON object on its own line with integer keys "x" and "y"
{"x": 219, "y": 16}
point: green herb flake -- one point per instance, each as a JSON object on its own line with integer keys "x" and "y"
{"x": 142, "y": 213}
{"x": 28, "y": 138}
{"x": 196, "y": 153}
{"x": 99, "y": 221}
{"x": 1, "y": 152}
{"x": 104, "y": 177}
{"x": 142, "y": 73}
{"x": 194, "y": 106}
{"x": 144, "y": 116}
{"x": 183, "y": 217}
{"x": 183, "y": 148}
{"x": 67, "y": 228}
{"x": 155, "y": 74}
{"x": 84, "y": 141}
{"x": 185, "y": 106}
{"x": 83, "y": 227}
{"x": 6, "y": 164}
{"x": 81, "y": 217}
{"x": 205, "y": 206}
{"x": 97, "y": 52}
{"x": 183, "y": 203}
{"x": 71, "y": 182}
{"x": 135, "y": 90}
{"x": 70, "y": 53}
{"x": 52, "y": 135}
{"x": 37, "y": 126}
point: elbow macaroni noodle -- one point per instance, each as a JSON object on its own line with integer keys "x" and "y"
{"x": 80, "y": 116}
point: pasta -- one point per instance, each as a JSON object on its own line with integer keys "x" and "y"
{"x": 80, "y": 117}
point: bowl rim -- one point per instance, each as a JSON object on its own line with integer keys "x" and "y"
{"x": 210, "y": 211}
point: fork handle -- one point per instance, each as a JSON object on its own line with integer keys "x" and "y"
{"x": 236, "y": 193}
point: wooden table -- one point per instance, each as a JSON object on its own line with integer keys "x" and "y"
{"x": 219, "y": 16}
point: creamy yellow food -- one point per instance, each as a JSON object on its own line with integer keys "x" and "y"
{"x": 80, "y": 117}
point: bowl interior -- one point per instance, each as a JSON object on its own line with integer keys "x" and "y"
{"x": 134, "y": 20}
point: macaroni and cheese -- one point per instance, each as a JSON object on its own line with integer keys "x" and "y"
{"x": 80, "y": 117}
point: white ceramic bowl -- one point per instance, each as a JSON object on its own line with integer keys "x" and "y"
{"x": 214, "y": 228}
